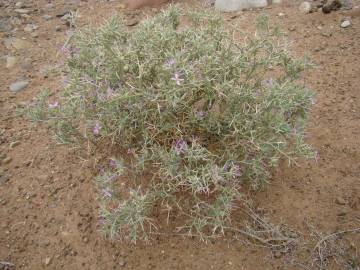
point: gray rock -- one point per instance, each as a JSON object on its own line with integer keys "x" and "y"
{"x": 10, "y": 61}
{"x": 234, "y": 5}
{"x": 347, "y": 4}
{"x": 5, "y": 26}
{"x": 30, "y": 28}
{"x": 305, "y": 7}
{"x": 22, "y": 11}
{"x": 47, "y": 17}
{"x": 345, "y": 23}
{"x": 18, "y": 86}
{"x": 20, "y": 5}
{"x": 27, "y": 64}
{"x": 340, "y": 201}
{"x": 18, "y": 43}
{"x": 35, "y": 35}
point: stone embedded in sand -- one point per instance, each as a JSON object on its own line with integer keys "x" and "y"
{"x": 305, "y": 7}
{"x": 22, "y": 11}
{"x": 345, "y": 23}
{"x": 19, "y": 44}
{"x": 10, "y": 61}
{"x": 235, "y": 5}
{"x": 18, "y": 86}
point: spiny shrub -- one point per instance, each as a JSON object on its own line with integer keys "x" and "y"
{"x": 201, "y": 116}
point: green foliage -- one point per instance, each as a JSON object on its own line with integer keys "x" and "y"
{"x": 200, "y": 113}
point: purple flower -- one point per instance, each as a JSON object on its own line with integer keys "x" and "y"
{"x": 112, "y": 163}
{"x": 131, "y": 151}
{"x": 237, "y": 171}
{"x": 201, "y": 114}
{"x": 107, "y": 192}
{"x": 109, "y": 92}
{"x": 180, "y": 146}
{"x": 177, "y": 78}
{"x": 96, "y": 129}
{"x": 54, "y": 105}
{"x": 317, "y": 157}
{"x": 170, "y": 62}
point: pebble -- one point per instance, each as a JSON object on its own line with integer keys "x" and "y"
{"x": 10, "y": 61}
{"x": 47, "y": 17}
{"x": 22, "y": 11}
{"x": 2, "y": 171}
{"x": 7, "y": 160}
{"x": 132, "y": 22}
{"x": 4, "y": 25}
{"x": 27, "y": 64}
{"x": 30, "y": 28}
{"x": 340, "y": 201}
{"x": 18, "y": 86}
{"x": 19, "y": 5}
{"x": 35, "y": 35}
{"x": 345, "y": 23}
{"x": 19, "y": 44}
{"x": 277, "y": 254}
{"x": 58, "y": 28}
{"x": 305, "y": 7}
{"x": 122, "y": 263}
{"x": 14, "y": 144}
{"x": 47, "y": 261}
{"x": 235, "y": 5}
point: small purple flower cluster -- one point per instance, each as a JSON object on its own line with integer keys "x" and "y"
{"x": 234, "y": 168}
{"x": 180, "y": 146}
{"x": 96, "y": 129}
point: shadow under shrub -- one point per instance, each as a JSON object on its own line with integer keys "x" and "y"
{"x": 201, "y": 113}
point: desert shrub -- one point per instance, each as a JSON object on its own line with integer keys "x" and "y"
{"x": 200, "y": 115}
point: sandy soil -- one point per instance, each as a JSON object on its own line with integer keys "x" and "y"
{"x": 48, "y": 208}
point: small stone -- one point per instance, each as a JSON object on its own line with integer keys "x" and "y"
{"x": 35, "y": 35}
{"x": 19, "y": 5}
{"x": 347, "y": 4}
{"x": 277, "y": 254}
{"x": 30, "y": 28}
{"x": 58, "y": 28}
{"x": 47, "y": 261}
{"x": 345, "y": 23}
{"x": 47, "y": 17}
{"x": 340, "y": 201}
{"x": 235, "y": 5}
{"x": 10, "y": 61}
{"x": 7, "y": 160}
{"x": 132, "y": 22}
{"x": 49, "y": 6}
{"x": 27, "y": 64}
{"x": 18, "y": 86}
{"x": 342, "y": 213}
{"x": 20, "y": 43}
{"x": 122, "y": 263}
{"x": 86, "y": 240}
{"x": 14, "y": 144}
{"x": 281, "y": 15}
{"x": 305, "y": 7}
{"x": 277, "y": 2}
{"x": 22, "y": 11}
{"x": 2, "y": 171}
{"x": 326, "y": 34}
{"x": 4, "y": 25}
